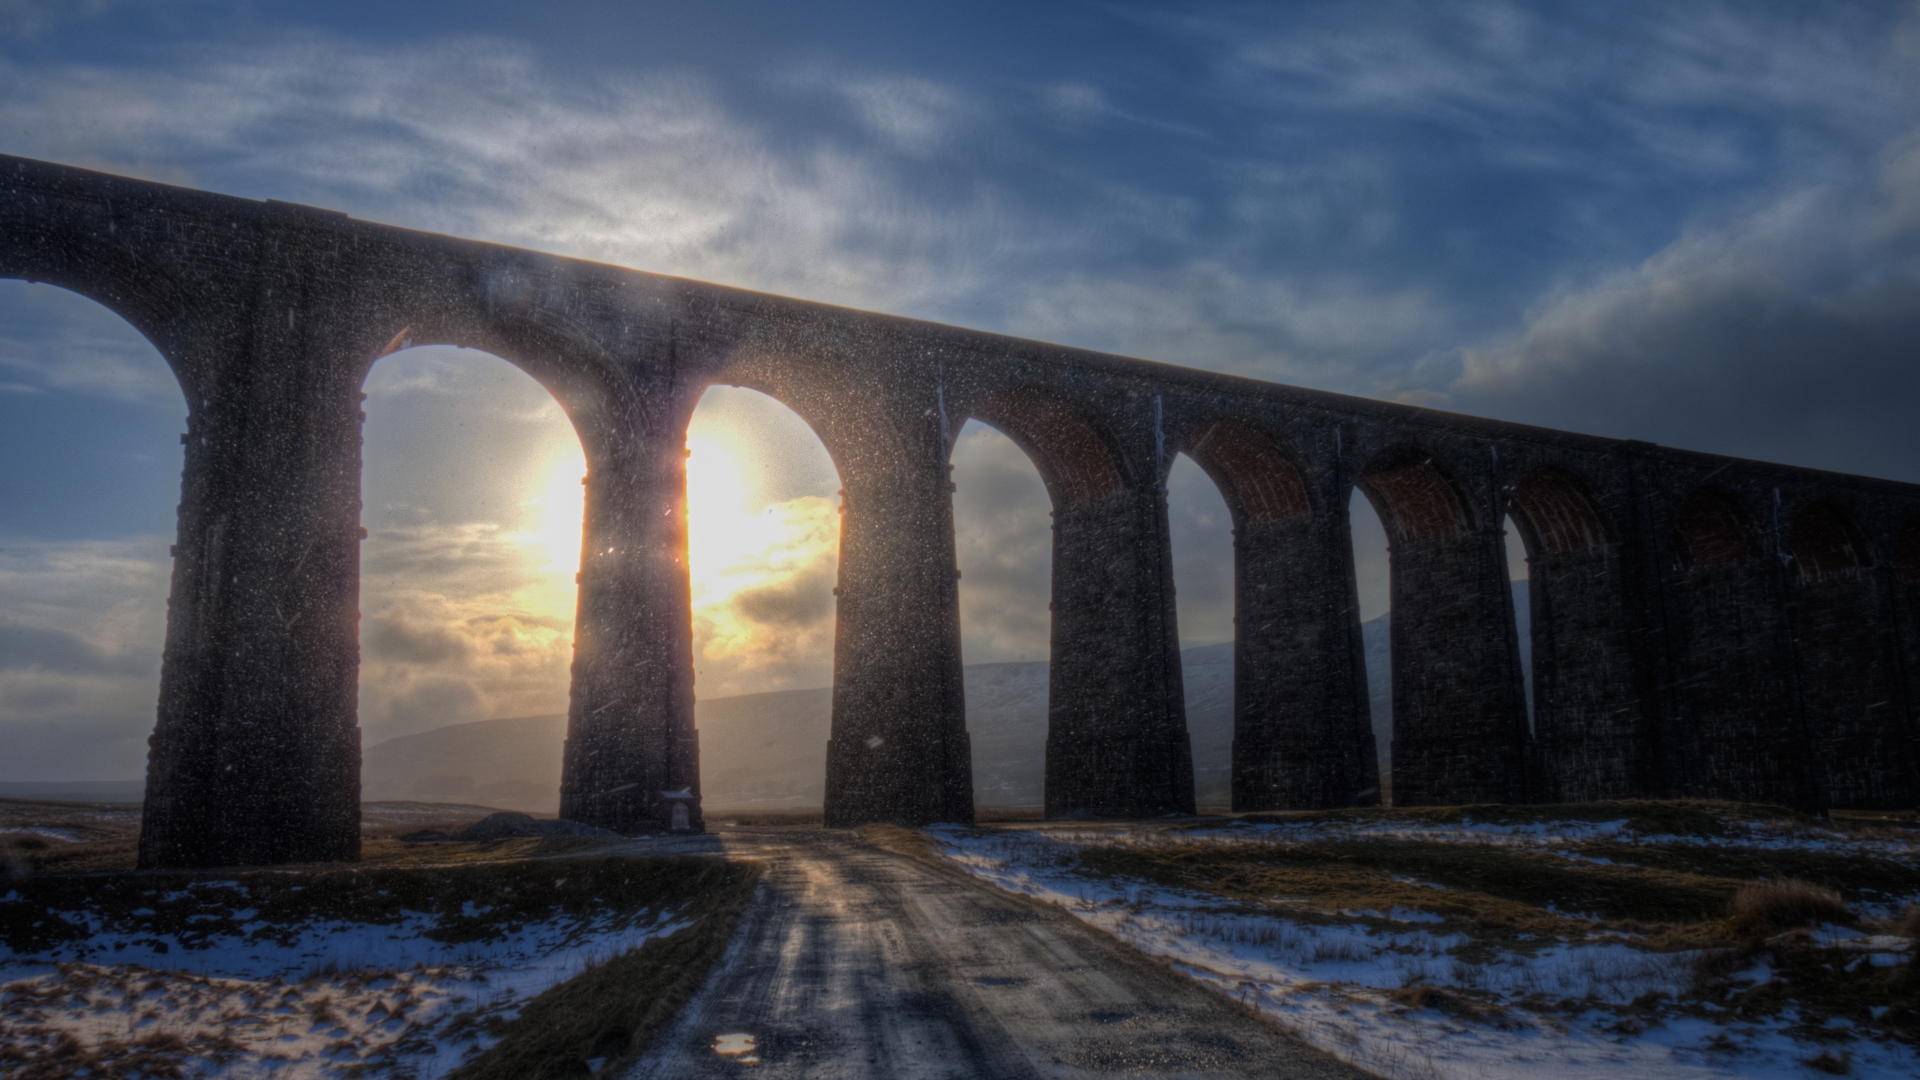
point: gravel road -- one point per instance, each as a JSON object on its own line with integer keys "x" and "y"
{"x": 855, "y": 963}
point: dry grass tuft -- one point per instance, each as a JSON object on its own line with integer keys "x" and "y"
{"x": 1906, "y": 924}
{"x": 613, "y": 1009}
{"x": 1832, "y": 1064}
{"x": 1770, "y": 907}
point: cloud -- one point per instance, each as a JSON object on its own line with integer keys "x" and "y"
{"x": 478, "y": 137}
{"x": 1003, "y": 538}
{"x": 27, "y": 648}
{"x": 914, "y": 115}
{"x": 60, "y": 340}
{"x": 1574, "y": 86}
{"x": 1211, "y": 316}
{"x": 1787, "y": 333}
{"x": 80, "y": 656}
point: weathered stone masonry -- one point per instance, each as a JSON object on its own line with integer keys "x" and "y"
{"x": 1702, "y": 625}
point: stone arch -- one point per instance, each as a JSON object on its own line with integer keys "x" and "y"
{"x": 1075, "y": 459}
{"x": 87, "y": 463}
{"x": 1415, "y": 496}
{"x": 575, "y": 368}
{"x": 443, "y": 645}
{"x": 1740, "y": 733}
{"x": 1846, "y": 652}
{"x": 1459, "y": 710}
{"x": 1557, "y": 514}
{"x": 1591, "y": 723}
{"x": 85, "y": 257}
{"x": 1712, "y": 529}
{"x": 1823, "y": 541}
{"x": 1259, "y": 482}
{"x": 1117, "y": 742}
{"x": 1906, "y": 553}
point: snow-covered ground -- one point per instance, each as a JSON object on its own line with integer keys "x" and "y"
{"x": 326, "y": 998}
{"x": 1351, "y": 986}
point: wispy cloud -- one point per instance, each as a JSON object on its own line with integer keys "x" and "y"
{"x": 1786, "y": 333}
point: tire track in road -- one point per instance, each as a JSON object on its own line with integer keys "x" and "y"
{"x": 855, "y": 963}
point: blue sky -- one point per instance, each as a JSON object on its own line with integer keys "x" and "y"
{"x": 1694, "y": 224}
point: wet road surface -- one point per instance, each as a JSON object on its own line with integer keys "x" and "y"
{"x": 856, "y": 963}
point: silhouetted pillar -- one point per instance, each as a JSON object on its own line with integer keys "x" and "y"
{"x": 1851, "y": 690}
{"x": 1734, "y": 689}
{"x": 1302, "y": 738}
{"x": 1591, "y": 705}
{"x": 632, "y": 754}
{"x": 899, "y": 750}
{"x": 255, "y": 756}
{"x": 1906, "y": 609}
{"x": 1117, "y": 742}
{"x": 1459, "y": 720}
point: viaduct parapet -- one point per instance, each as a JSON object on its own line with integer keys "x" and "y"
{"x": 1702, "y": 625}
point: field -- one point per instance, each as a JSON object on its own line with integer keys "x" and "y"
{"x": 511, "y": 958}
{"x": 1605, "y": 940}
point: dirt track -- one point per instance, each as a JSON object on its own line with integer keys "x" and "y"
{"x": 858, "y": 963}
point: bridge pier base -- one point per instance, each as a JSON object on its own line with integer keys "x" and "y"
{"x": 1302, "y": 738}
{"x": 1117, "y": 742}
{"x": 899, "y": 751}
{"x": 632, "y": 755}
{"x": 255, "y": 757}
{"x": 1459, "y": 725}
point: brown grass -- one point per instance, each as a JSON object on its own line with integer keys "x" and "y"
{"x": 801, "y": 816}
{"x": 614, "y": 1009}
{"x": 1009, "y": 813}
{"x": 1769, "y": 907}
{"x": 1907, "y": 923}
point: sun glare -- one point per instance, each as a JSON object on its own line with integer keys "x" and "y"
{"x": 738, "y": 543}
{"x": 558, "y": 513}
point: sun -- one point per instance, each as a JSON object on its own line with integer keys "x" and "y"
{"x": 739, "y": 542}
{"x": 558, "y": 512}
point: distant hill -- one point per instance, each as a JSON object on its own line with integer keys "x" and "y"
{"x": 769, "y": 751}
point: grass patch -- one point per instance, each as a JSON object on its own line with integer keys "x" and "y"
{"x": 1768, "y": 907}
{"x": 478, "y": 902}
{"x": 1495, "y": 892}
{"x": 1740, "y": 885}
{"x": 1672, "y": 817}
{"x": 610, "y": 1013}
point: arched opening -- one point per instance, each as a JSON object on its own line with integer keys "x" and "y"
{"x": 91, "y": 419}
{"x": 1003, "y": 541}
{"x": 1822, "y": 542}
{"x": 1459, "y": 724}
{"x": 1520, "y": 596}
{"x": 1072, "y": 457}
{"x": 1906, "y": 554}
{"x": 1374, "y": 596}
{"x": 1849, "y": 670}
{"x": 472, "y": 505}
{"x": 1576, "y": 635}
{"x": 1298, "y": 738}
{"x": 1740, "y": 734}
{"x": 1713, "y": 531}
{"x": 1554, "y": 516}
{"x": 1201, "y": 532}
{"x": 763, "y": 542}
{"x": 1117, "y": 743}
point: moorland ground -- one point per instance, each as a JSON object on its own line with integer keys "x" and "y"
{"x": 1667, "y": 938}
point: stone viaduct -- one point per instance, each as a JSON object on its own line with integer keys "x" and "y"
{"x": 1703, "y": 626}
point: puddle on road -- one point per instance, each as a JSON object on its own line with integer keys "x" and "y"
{"x": 737, "y": 1045}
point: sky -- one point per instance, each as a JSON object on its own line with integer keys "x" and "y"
{"x": 1694, "y": 224}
